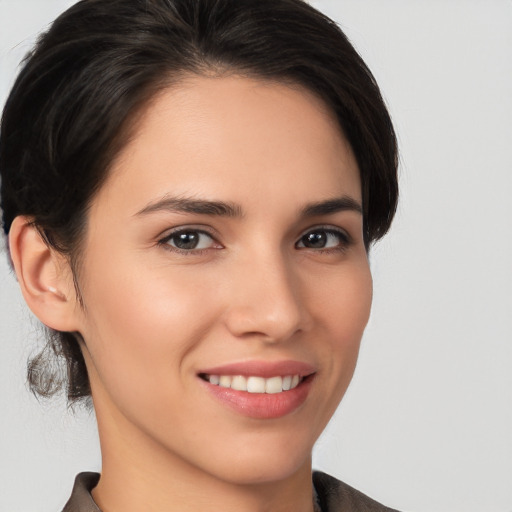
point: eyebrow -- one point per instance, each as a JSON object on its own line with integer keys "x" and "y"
{"x": 228, "y": 209}
{"x": 330, "y": 206}
{"x": 191, "y": 205}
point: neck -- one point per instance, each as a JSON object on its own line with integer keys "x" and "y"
{"x": 140, "y": 474}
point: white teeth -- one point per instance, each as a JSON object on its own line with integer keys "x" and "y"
{"x": 225, "y": 381}
{"x": 255, "y": 384}
{"x": 239, "y": 382}
{"x": 274, "y": 385}
{"x": 287, "y": 382}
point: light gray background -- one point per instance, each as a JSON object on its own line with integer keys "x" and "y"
{"x": 427, "y": 423}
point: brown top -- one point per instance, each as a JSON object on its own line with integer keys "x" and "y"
{"x": 332, "y": 495}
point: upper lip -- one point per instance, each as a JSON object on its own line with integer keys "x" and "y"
{"x": 264, "y": 369}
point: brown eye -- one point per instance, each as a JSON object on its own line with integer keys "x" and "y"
{"x": 323, "y": 239}
{"x": 189, "y": 240}
{"x": 316, "y": 240}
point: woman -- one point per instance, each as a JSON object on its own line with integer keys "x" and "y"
{"x": 190, "y": 190}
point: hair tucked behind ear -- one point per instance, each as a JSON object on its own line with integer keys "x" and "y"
{"x": 89, "y": 77}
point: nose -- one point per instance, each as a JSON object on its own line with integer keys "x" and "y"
{"x": 266, "y": 301}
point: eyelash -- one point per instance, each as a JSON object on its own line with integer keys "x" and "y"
{"x": 343, "y": 238}
{"x": 164, "y": 242}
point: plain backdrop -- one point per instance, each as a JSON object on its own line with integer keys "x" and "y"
{"x": 426, "y": 425}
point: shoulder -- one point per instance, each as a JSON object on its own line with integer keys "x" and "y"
{"x": 336, "y": 496}
{"x": 81, "y": 499}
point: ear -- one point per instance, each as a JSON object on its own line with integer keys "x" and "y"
{"x": 44, "y": 276}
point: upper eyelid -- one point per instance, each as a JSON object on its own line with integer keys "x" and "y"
{"x": 164, "y": 241}
{"x": 326, "y": 227}
{"x": 208, "y": 231}
{"x": 169, "y": 232}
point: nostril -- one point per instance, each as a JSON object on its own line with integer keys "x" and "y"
{"x": 266, "y": 302}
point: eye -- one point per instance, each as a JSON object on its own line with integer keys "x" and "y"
{"x": 189, "y": 240}
{"x": 324, "y": 239}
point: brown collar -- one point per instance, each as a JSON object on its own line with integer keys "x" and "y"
{"x": 331, "y": 495}
{"x": 81, "y": 499}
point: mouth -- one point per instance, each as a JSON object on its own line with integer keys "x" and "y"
{"x": 260, "y": 390}
{"x": 254, "y": 383}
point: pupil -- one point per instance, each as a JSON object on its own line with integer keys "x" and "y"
{"x": 187, "y": 240}
{"x": 315, "y": 240}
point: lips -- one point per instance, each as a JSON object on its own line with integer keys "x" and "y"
{"x": 255, "y": 384}
{"x": 264, "y": 390}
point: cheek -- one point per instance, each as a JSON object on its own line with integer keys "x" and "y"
{"x": 142, "y": 323}
{"x": 135, "y": 297}
{"x": 345, "y": 302}
{"x": 344, "y": 311}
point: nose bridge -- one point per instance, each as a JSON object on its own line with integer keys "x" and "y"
{"x": 267, "y": 301}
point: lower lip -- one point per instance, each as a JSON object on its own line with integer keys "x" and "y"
{"x": 262, "y": 405}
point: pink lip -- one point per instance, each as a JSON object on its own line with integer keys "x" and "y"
{"x": 264, "y": 369}
{"x": 262, "y": 405}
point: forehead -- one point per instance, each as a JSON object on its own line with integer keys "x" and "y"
{"x": 228, "y": 136}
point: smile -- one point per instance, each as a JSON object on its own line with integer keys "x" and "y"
{"x": 254, "y": 384}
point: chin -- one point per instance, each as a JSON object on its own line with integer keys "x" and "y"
{"x": 251, "y": 472}
{"x": 264, "y": 462}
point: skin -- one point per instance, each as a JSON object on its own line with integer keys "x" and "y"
{"x": 155, "y": 316}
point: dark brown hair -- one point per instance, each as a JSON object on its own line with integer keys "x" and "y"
{"x": 89, "y": 76}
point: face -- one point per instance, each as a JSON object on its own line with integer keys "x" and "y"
{"x": 225, "y": 280}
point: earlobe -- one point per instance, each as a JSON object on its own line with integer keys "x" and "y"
{"x": 44, "y": 276}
